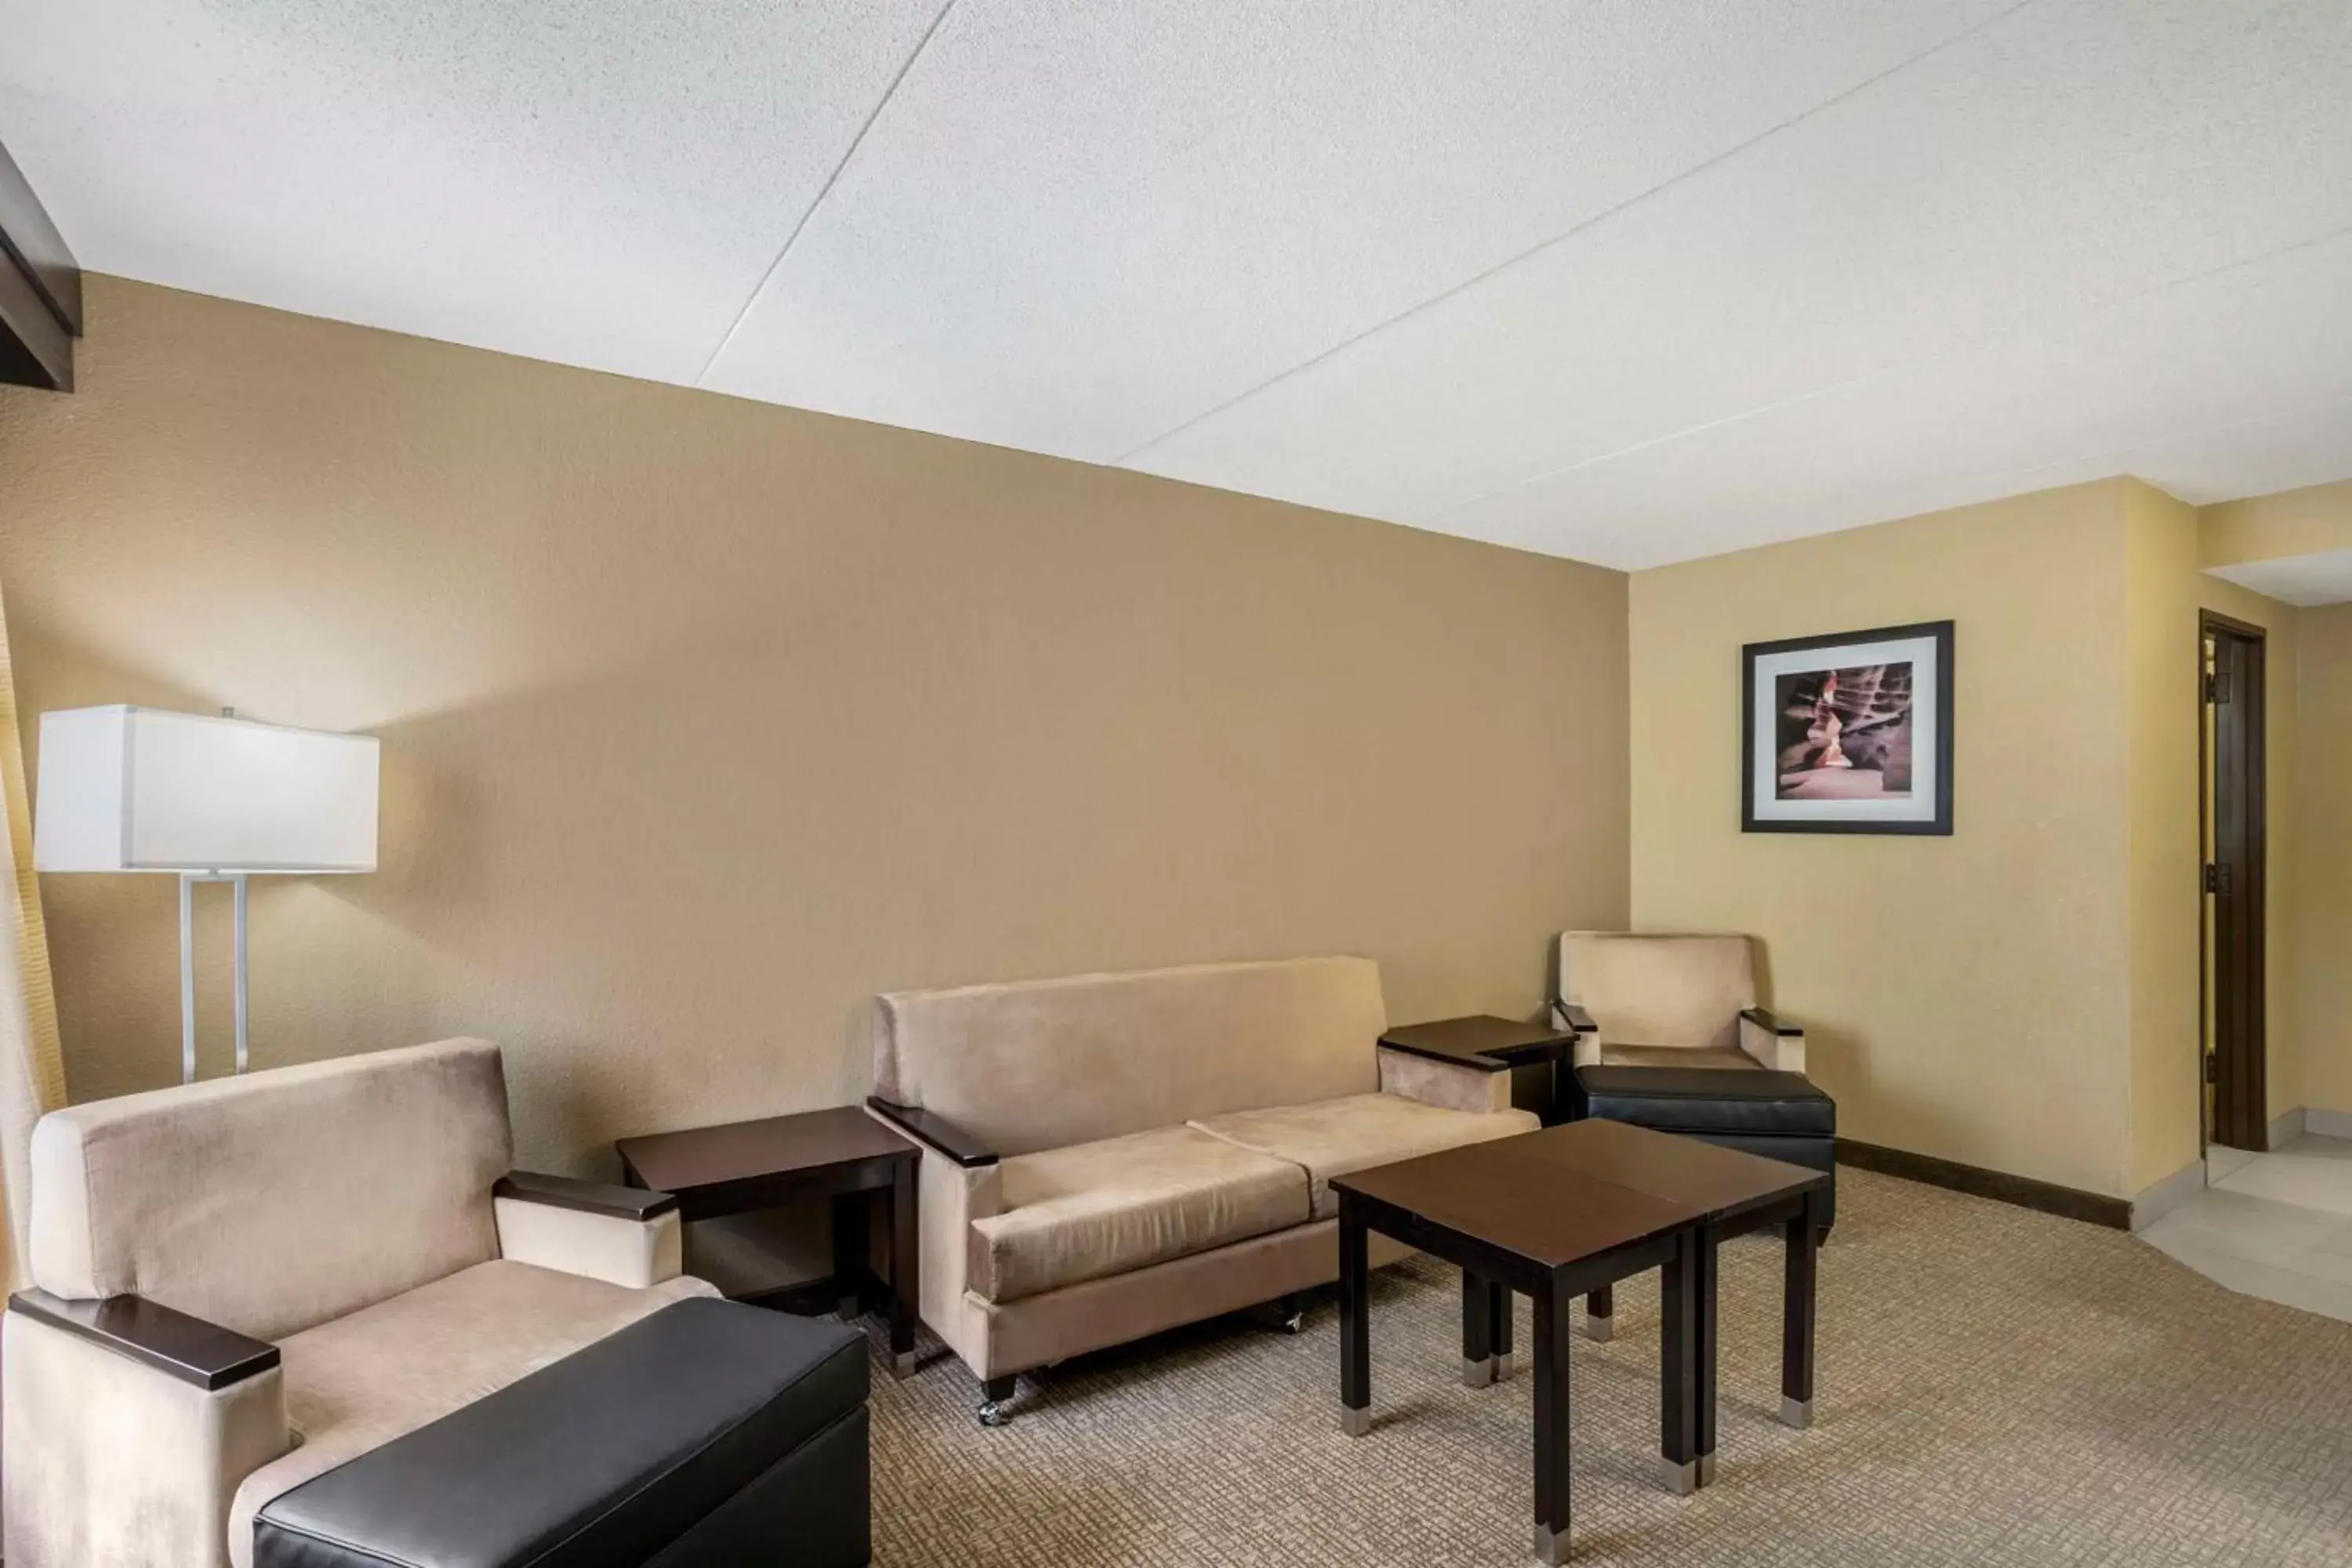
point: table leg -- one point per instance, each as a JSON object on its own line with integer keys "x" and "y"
{"x": 906, "y": 1269}
{"x": 1478, "y": 1330}
{"x": 1704, "y": 1244}
{"x": 849, "y": 1252}
{"x": 1553, "y": 1307}
{"x": 1355, "y": 1323}
{"x": 1678, "y": 1365}
{"x": 1601, "y": 1314}
{"x": 1797, "y": 1308}
{"x": 1498, "y": 1339}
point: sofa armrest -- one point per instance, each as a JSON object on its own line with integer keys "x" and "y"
{"x": 625, "y": 1235}
{"x": 1456, "y": 1085}
{"x": 1772, "y": 1040}
{"x": 173, "y": 1342}
{"x": 934, "y": 1131}
{"x": 129, "y": 1427}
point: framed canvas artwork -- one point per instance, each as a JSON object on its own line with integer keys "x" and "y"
{"x": 1850, "y": 734}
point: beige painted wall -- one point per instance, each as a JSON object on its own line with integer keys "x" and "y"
{"x": 2291, "y": 522}
{"x": 2023, "y": 995}
{"x": 2166, "y": 591}
{"x": 1967, "y": 997}
{"x": 703, "y": 719}
{"x": 2323, "y": 992}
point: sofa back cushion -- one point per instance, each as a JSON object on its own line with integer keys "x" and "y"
{"x": 1047, "y": 1064}
{"x": 279, "y": 1200}
{"x": 1677, "y": 991}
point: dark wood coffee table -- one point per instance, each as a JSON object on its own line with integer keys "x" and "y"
{"x": 1558, "y": 1214}
{"x": 841, "y": 1155}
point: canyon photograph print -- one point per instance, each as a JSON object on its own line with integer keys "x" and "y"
{"x": 1845, "y": 734}
{"x": 1848, "y": 733}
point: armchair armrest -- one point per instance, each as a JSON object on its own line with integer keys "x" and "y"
{"x": 587, "y": 1198}
{"x": 1772, "y": 1040}
{"x": 141, "y": 1421}
{"x": 934, "y": 1131}
{"x": 188, "y": 1348}
{"x": 626, "y": 1236}
{"x": 1584, "y": 1051}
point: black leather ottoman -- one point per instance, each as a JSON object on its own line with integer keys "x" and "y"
{"x": 710, "y": 1433}
{"x": 1780, "y": 1115}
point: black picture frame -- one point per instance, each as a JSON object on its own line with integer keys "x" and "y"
{"x": 1937, "y": 825}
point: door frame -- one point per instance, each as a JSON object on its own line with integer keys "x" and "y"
{"x": 2241, "y": 1070}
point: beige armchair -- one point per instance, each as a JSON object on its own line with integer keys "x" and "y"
{"x": 241, "y": 1284}
{"x": 1641, "y": 1000}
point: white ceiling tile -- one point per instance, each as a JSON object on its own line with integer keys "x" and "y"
{"x": 1630, "y": 280}
{"x": 2142, "y": 387}
{"x": 575, "y": 180}
{"x": 2070, "y": 153}
{"x": 1081, "y": 225}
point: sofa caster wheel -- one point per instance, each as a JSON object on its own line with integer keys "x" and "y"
{"x": 1293, "y": 1324}
{"x": 1283, "y": 1315}
{"x": 992, "y": 1414}
{"x": 996, "y": 1393}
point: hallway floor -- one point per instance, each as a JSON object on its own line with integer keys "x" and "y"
{"x": 2277, "y": 1225}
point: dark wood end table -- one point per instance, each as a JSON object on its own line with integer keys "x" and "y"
{"x": 1563, "y": 1213}
{"x": 841, "y": 1155}
{"x": 1536, "y": 1055}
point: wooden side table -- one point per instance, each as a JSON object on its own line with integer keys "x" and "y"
{"x": 841, "y": 1155}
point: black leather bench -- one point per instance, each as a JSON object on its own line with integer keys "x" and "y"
{"x": 1780, "y": 1115}
{"x": 710, "y": 1433}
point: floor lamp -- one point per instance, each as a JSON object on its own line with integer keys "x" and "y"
{"x": 205, "y": 799}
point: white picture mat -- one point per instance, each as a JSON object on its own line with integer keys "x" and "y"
{"x": 1926, "y": 739}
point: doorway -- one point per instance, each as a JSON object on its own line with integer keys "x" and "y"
{"x": 2232, "y": 774}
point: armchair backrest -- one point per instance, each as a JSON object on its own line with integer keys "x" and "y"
{"x": 1678, "y": 991}
{"x": 1046, "y": 1064}
{"x": 279, "y": 1200}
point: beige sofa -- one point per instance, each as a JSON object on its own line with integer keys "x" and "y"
{"x": 1107, "y": 1156}
{"x": 240, "y": 1284}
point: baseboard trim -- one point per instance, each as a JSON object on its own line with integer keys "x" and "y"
{"x": 2048, "y": 1197}
{"x": 2286, "y": 1127}
{"x": 2327, "y": 1123}
{"x": 2164, "y": 1196}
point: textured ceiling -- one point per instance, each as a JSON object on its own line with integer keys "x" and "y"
{"x": 2321, "y": 579}
{"x": 1630, "y": 280}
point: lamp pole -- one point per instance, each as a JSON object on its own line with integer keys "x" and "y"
{"x": 188, "y": 880}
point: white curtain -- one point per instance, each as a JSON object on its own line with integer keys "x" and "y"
{"x": 32, "y": 1073}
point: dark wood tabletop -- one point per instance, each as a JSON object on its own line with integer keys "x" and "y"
{"x": 747, "y": 1150}
{"x": 1571, "y": 1192}
{"x": 1482, "y": 1041}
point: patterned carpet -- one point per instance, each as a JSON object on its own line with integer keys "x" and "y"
{"x": 1997, "y": 1386}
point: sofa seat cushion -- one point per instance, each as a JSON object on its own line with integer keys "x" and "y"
{"x": 1329, "y": 1138}
{"x": 357, "y": 1382}
{"x": 1122, "y": 1203}
{"x": 1672, "y": 1099}
{"x": 1678, "y": 1058}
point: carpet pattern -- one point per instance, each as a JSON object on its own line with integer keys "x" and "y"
{"x": 1996, "y": 1387}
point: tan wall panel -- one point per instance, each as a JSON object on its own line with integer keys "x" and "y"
{"x": 1967, "y": 997}
{"x": 2292, "y": 522}
{"x": 2324, "y": 908}
{"x": 704, "y": 719}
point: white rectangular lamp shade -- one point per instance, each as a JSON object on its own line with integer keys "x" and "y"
{"x": 142, "y": 789}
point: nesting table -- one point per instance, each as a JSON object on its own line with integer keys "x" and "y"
{"x": 1562, "y": 1212}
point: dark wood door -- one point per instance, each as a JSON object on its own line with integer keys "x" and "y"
{"x": 2234, "y": 878}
